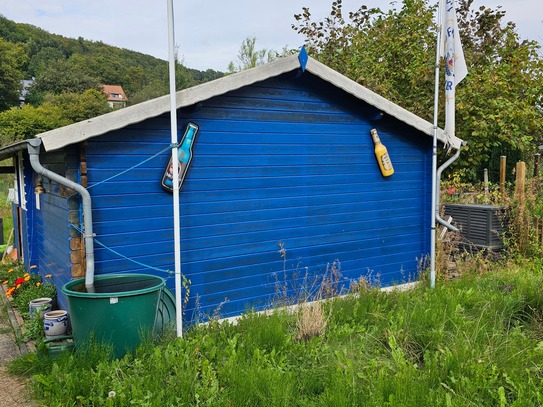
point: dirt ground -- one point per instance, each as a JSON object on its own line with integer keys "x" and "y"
{"x": 13, "y": 390}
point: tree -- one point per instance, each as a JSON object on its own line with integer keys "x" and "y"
{"x": 12, "y": 58}
{"x": 498, "y": 105}
{"x": 65, "y": 65}
{"x": 56, "y": 111}
{"x": 249, "y": 57}
{"x": 152, "y": 90}
{"x": 77, "y": 107}
{"x": 25, "y": 122}
{"x": 44, "y": 57}
{"x": 71, "y": 79}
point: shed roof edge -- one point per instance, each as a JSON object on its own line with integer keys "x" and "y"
{"x": 81, "y": 131}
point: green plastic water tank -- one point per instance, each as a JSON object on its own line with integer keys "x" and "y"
{"x": 121, "y": 311}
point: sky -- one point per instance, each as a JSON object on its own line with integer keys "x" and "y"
{"x": 209, "y": 33}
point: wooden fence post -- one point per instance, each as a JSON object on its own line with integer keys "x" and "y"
{"x": 520, "y": 196}
{"x": 503, "y": 162}
{"x": 520, "y": 183}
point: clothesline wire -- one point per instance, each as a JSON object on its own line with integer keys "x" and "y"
{"x": 139, "y": 263}
{"x": 170, "y": 146}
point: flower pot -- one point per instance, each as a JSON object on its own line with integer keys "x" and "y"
{"x": 40, "y": 306}
{"x": 55, "y": 323}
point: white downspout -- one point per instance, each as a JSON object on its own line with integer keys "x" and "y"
{"x": 34, "y": 146}
{"x": 439, "y": 171}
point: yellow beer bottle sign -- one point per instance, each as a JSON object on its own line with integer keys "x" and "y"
{"x": 381, "y": 154}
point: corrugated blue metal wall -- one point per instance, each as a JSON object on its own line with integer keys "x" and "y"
{"x": 287, "y": 163}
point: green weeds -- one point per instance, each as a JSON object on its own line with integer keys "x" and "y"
{"x": 475, "y": 341}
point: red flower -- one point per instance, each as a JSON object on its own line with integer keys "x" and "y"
{"x": 19, "y": 281}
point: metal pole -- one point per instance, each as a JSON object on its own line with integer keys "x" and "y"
{"x": 175, "y": 163}
{"x": 434, "y": 153}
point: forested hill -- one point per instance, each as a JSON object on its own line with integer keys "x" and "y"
{"x": 67, "y": 65}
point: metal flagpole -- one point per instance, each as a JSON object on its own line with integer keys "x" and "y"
{"x": 434, "y": 151}
{"x": 175, "y": 165}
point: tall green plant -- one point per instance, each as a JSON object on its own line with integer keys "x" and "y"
{"x": 393, "y": 53}
{"x": 474, "y": 341}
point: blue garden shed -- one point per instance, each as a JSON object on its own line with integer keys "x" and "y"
{"x": 283, "y": 191}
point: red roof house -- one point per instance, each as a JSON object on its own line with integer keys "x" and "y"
{"x": 116, "y": 97}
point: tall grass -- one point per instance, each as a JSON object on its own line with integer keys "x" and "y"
{"x": 475, "y": 341}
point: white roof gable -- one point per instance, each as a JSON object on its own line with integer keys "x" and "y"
{"x": 77, "y": 132}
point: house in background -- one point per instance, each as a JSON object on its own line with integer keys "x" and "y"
{"x": 116, "y": 98}
{"x": 283, "y": 190}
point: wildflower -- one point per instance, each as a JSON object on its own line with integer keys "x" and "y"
{"x": 17, "y": 286}
{"x": 10, "y": 270}
{"x": 48, "y": 275}
{"x": 27, "y": 277}
{"x": 38, "y": 284}
{"x": 9, "y": 291}
{"x": 111, "y": 394}
{"x": 33, "y": 267}
{"x": 5, "y": 282}
{"x": 19, "y": 281}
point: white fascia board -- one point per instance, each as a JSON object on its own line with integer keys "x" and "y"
{"x": 322, "y": 71}
{"x": 77, "y": 132}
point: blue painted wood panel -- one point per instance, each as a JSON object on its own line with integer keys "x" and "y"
{"x": 51, "y": 238}
{"x": 284, "y": 163}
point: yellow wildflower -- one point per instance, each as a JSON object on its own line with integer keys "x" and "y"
{"x": 27, "y": 277}
{"x": 10, "y": 270}
{"x": 5, "y": 282}
{"x": 38, "y": 284}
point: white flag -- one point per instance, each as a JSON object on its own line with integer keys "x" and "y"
{"x": 455, "y": 64}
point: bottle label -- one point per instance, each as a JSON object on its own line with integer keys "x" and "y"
{"x": 385, "y": 160}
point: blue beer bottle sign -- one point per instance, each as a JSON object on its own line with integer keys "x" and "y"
{"x": 184, "y": 155}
